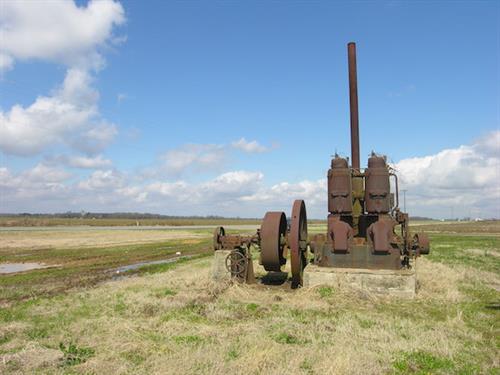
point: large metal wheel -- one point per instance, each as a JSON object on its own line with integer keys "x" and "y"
{"x": 298, "y": 242}
{"x": 272, "y": 241}
{"x": 219, "y": 232}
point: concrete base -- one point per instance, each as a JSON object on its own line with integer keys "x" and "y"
{"x": 400, "y": 283}
{"x": 219, "y": 270}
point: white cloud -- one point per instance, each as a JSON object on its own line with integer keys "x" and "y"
{"x": 61, "y": 32}
{"x": 465, "y": 178}
{"x": 249, "y": 146}
{"x": 200, "y": 157}
{"x": 44, "y": 173}
{"x": 103, "y": 180}
{"x": 6, "y": 62}
{"x": 314, "y": 192}
{"x": 97, "y": 162}
{"x": 40, "y": 184}
{"x": 135, "y": 193}
{"x": 228, "y": 188}
{"x": 58, "y": 31}
{"x": 69, "y": 116}
{"x": 461, "y": 181}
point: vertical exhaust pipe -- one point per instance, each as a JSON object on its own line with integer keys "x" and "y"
{"x": 353, "y": 100}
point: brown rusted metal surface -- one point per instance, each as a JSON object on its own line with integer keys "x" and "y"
{"x": 240, "y": 265}
{"x": 363, "y": 209}
{"x": 421, "y": 244}
{"x": 298, "y": 241}
{"x": 377, "y": 186}
{"x": 236, "y": 264}
{"x": 380, "y": 235}
{"x": 223, "y": 241}
{"x": 340, "y": 234}
{"x": 219, "y": 232}
{"x": 339, "y": 187}
{"x": 272, "y": 241}
{"x": 353, "y": 100}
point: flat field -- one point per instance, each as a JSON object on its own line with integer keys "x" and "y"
{"x": 32, "y": 221}
{"x": 78, "y": 317}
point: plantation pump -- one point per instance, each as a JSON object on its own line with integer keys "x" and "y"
{"x": 366, "y": 229}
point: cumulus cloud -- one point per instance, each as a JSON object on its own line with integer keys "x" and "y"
{"x": 42, "y": 183}
{"x": 193, "y": 156}
{"x": 249, "y": 146}
{"x": 97, "y": 162}
{"x": 463, "y": 180}
{"x": 202, "y": 157}
{"x": 39, "y": 174}
{"x": 226, "y": 188}
{"x": 234, "y": 193}
{"x": 314, "y": 192}
{"x": 69, "y": 116}
{"x": 45, "y": 173}
{"x": 58, "y": 31}
{"x": 465, "y": 177}
{"x": 103, "y": 180}
{"x": 63, "y": 33}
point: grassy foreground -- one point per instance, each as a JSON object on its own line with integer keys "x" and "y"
{"x": 174, "y": 320}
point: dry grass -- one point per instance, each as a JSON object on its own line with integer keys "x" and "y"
{"x": 13, "y": 240}
{"x": 179, "y": 322}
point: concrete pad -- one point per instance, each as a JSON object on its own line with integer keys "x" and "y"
{"x": 219, "y": 270}
{"x": 400, "y": 283}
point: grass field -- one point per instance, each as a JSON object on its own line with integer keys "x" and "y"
{"x": 171, "y": 319}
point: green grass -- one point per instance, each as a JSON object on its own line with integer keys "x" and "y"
{"x": 421, "y": 362}
{"x": 87, "y": 267}
{"x": 74, "y": 355}
{"x": 325, "y": 291}
{"x": 286, "y": 338}
{"x": 188, "y": 339}
{"x": 474, "y": 251}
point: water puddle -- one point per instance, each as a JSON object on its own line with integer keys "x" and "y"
{"x": 135, "y": 266}
{"x": 20, "y": 267}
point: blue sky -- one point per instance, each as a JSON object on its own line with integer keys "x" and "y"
{"x": 193, "y": 78}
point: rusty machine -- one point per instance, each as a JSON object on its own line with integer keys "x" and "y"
{"x": 365, "y": 228}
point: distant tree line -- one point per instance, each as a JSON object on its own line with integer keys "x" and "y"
{"x": 115, "y": 215}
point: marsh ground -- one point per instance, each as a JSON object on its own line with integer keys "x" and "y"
{"x": 171, "y": 319}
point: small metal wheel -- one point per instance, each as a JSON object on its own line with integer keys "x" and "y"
{"x": 236, "y": 264}
{"x": 298, "y": 242}
{"x": 219, "y": 232}
{"x": 272, "y": 241}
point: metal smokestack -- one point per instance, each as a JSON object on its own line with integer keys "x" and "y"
{"x": 353, "y": 100}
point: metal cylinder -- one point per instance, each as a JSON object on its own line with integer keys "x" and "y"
{"x": 377, "y": 186}
{"x": 339, "y": 187}
{"x": 353, "y": 100}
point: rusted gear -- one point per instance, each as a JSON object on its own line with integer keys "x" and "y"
{"x": 219, "y": 232}
{"x": 298, "y": 242}
{"x": 272, "y": 243}
{"x": 237, "y": 263}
